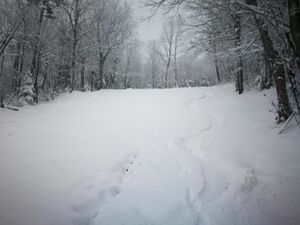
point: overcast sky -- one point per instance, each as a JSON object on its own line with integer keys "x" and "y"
{"x": 149, "y": 29}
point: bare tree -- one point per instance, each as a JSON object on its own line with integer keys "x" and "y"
{"x": 10, "y": 22}
{"x": 269, "y": 19}
{"x": 131, "y": 59}
{"x": 153, "y": 60}
{"x": 166, "y": 52}
{"x": 178, "y": 43}
{"x": 239, "y": 76}
{"x": 76, "y": 11}
{"x": 283, "y": 109}
{"x": 113, "y": 26}
{"x": 43, "y": 10}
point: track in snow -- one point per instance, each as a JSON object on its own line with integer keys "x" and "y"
{"x": 141, "y": 157}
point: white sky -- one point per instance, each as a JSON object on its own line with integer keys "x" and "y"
{"x": 147, "y": 29}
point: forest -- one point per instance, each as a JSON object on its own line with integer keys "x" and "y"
{"x": 48, "y": 47}
{"x": 149, "y": 112}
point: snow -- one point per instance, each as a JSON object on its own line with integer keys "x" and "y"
{"x": 138, "y": 157}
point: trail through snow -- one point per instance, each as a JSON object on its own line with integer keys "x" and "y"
{"x": 197, "y": 156}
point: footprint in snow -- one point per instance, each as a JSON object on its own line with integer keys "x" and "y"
{"x": 250, "y": 182}
{"x": 87, "y": 210}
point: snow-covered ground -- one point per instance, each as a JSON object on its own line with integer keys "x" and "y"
{"x": 149, "y": 157}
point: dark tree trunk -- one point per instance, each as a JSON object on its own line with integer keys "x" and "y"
{"x": 34, "y": 69}
{"x": 153, "y": 72}
{"x": 16, "y": 68}
{"x": 175, "y": 64}
{"x": 125, "y": 82}
{"x": 82, "y": 75}
{"x": 92, "y": 83}
{"x": 240, "y": 77}
{"x": 176, "y": 77}
{"x": 21, "y": 64}
{"x": 75, "y": 28}
{"x": 73, "y": 63}
{"x": 92, "y": 80}
{"x": 267, "y": 78}
{"x": 277, "y": 66}
{"x": 45, "y": 77}
{"x": 101, "y": 71}
{"x": 294, "y": 14}
{"x": 2, "y": 88}
{"x": 2, "y": 98}
{"x": 153, "y": 80}
{"x": 239, "y": 70}
{"x": 284, "y": 110}
{"x": 216, "y": 65}
{"x": 126, "y": 71}
{"x": 36, "y": 76}
{"x": 294, "y": 40}
{"x": 167, "y": 73}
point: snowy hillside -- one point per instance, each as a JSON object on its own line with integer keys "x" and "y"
{"x": 149, "y": 157}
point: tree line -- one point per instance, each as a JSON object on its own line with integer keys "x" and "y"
{"x": 252, "y": 41}
{"x": 53, "y": 46}
{"x": 50, "y": 46}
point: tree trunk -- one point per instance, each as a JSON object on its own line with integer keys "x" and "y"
{"x": 73, "y": 63}
{"x": 167, "y": 73}
{"x": 267, "y": 78}
{"x": 153, "y": 80}
{"x": 9, "y": 37}
{"x": 294, "y": 14}
{"x": 175, "y": 64}
{"x": 2, "y": 97}
{"x": 153, "y": 72}
{"x": 75, "y": 42}
{"x": 166, "y": 78}
{"x": 240, "y": 77}
{"x": 126, "y": 70}
{"x": 34, "y": 69}
{"x": 125, "y": 82}
{"x": 277, "y": 66}
{"x": 284, "y": 110}
{"x": 216, "y": 65}
{"x": 239, "y": 70}
{"x": 82, "y": 75}
{"x": 100, "y": 71}
{"x": 2, "y": 88}
{"x": 294, "y": 39}
{"x": 176, "y": 77}
{"x": 45, "y": 77}
{"x": 16, "y": 68}
{"x": 21, "y": 64}
{"x": 92, "y": 80}
{"x": 36, "y": 77}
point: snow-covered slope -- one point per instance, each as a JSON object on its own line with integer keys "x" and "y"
{"x": 141, "y": 157}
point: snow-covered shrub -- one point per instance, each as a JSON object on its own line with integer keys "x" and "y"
{"x": 26, "y": 95}
{"x": 45, "y": 96}
{"x": 86, "y": 88}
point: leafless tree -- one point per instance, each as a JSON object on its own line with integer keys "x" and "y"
{"x": 113, "y": 26}
{"x": 131, "y": 59}
{"x": 76, "y": 11}
{"x": 235, "y": 18}
{"x": 166, "y": 51}
{"x": 153, "y": 61}
{"x": 178, "y": 44}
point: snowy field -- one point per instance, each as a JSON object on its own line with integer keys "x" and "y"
{"x": 149, "y": 157}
